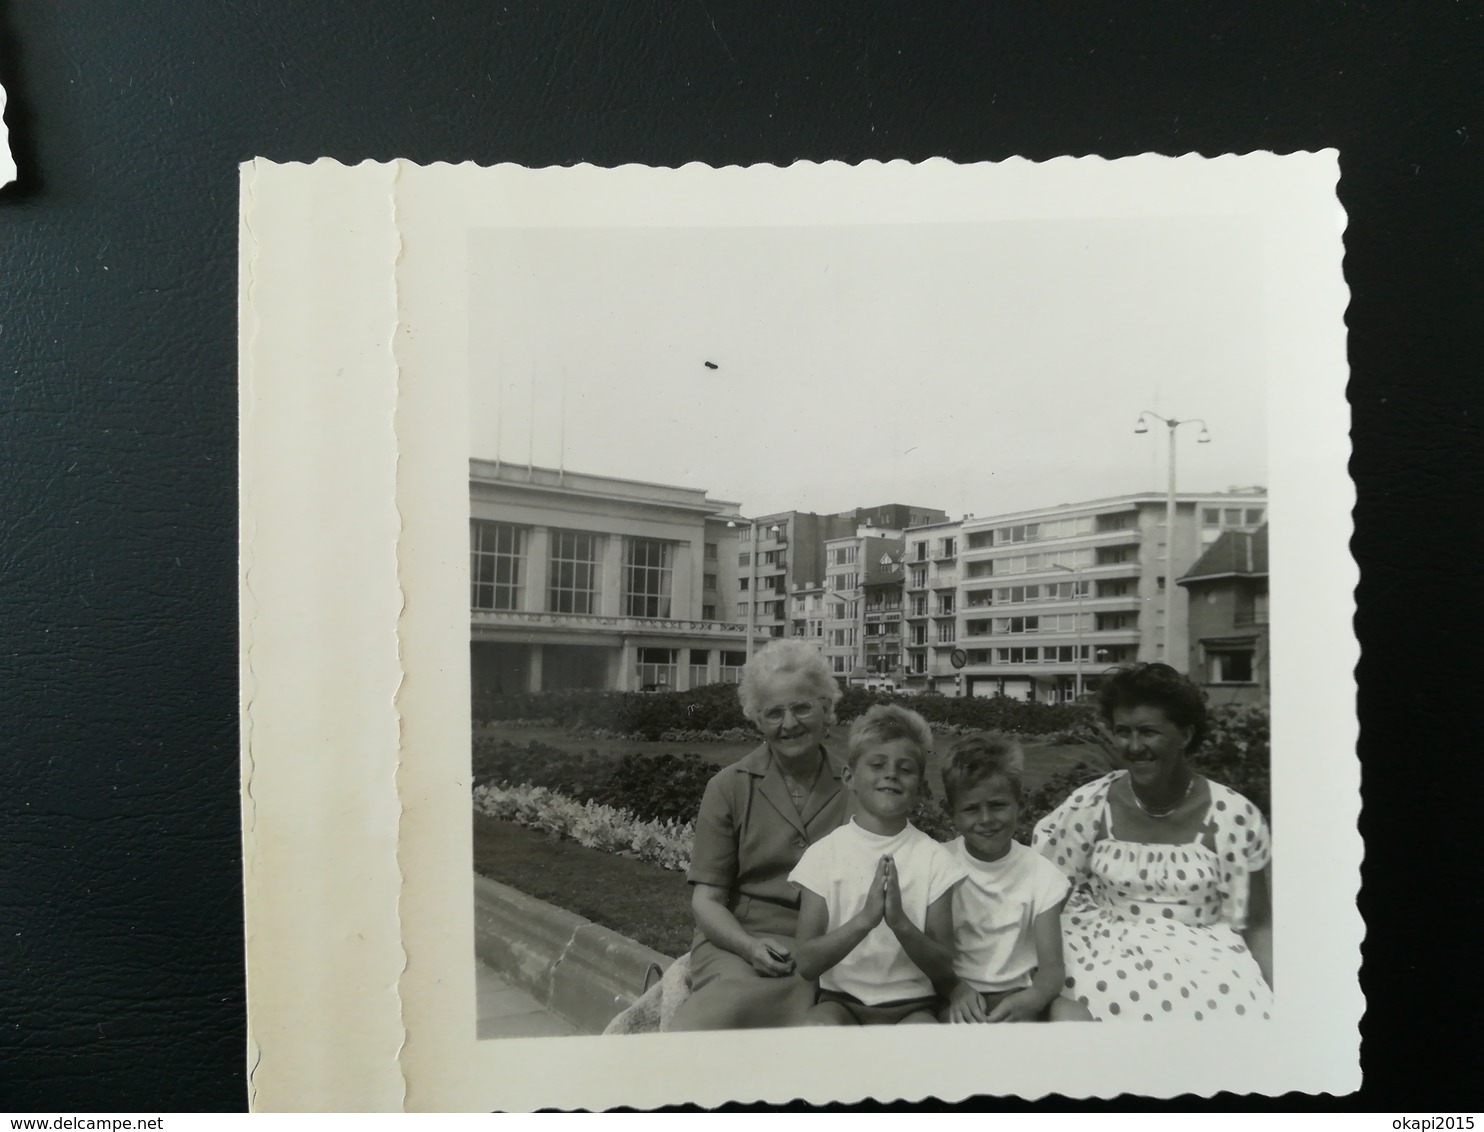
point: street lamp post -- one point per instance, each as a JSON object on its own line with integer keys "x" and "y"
{"x": 1204, "y": 438}
{"x": 1076, "y": 593}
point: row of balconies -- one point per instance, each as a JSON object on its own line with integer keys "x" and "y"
{"x": 1130, "y": 536}
{"x": 530, "y": 619}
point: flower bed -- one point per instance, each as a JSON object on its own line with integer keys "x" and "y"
{"x": 666, "y": 788}
{"x": 590, "y": 824}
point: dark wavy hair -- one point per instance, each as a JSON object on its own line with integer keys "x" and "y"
{"x": 1155, "y": 685}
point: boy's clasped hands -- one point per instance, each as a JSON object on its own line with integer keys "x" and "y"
{"x": 973, "y": 927}
{"x": 965, "y": 1004}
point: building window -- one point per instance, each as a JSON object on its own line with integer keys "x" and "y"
{"x": 708, "y": 613}
{"x": 1021, "y": 532}
{"x": 978, "y": 540}
{"x": 742, "y": 608}
{"x": 1116, "y": 622}
{"x": 948, "y": 548}
{"x": 981, "y": 569}
{"x": 919, "y": 634}
{"x": 945, "y": 632}
{"x": 1254, "y": 517}
{"x": 1210, "y": 517}
{"x": 647, "y": 568}
{"x": 700, "y": 660}
{"x": 710, "y": 552}
{"x": 919, "y": 577}
{"x": 919, "y": 664}
{"x": 945, "y": 606}
{"x": 708, "y": 582}
{"x": 745, "y": 558}
{"x": 657, "y": 669}
{"x": 495, "y": 554}
{"x": 1231, "y": 517}
{"x": 919, "y": 552}
{"x": 837, "y": 664}
{"x": 919, "y": 606}
{"x": 731, "y": 667}
{"x": 573, "y": 572}
{"x": 743, "y": 584}
{"x": 1230, "y": 666}
{"x": 842, "y": 555}
{"x": 1113, "y": 555}
{"x": 1004, "y": 625}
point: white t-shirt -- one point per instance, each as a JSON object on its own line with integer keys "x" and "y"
{"x": 993, "y": 914}
{"x": 839, "y": 868}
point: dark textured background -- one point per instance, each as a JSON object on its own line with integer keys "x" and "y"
{"x": 120, "y": 958}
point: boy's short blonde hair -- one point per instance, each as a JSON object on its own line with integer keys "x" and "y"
{"x": 885, "y": 723}
{"x": 975, "y": 758}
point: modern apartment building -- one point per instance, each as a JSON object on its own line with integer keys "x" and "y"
{"x": 931, "y": 572}
{"x": 863, "y": 607}
{"x": 790, "y": 554}
{"x": 1228, "y": 618}
{"x": 583, "y": 581}
{"x": 1049, "y": 598}
{"x": 806, "y": 614}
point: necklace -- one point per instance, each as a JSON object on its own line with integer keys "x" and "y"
{"x": 798, "y": 790}
{"x": 1189, "y": 786}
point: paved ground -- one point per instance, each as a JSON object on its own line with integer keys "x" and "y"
{"x": 506, "y": 1011}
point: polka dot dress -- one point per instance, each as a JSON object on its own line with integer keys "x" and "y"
{"x": 1148, "y": 933}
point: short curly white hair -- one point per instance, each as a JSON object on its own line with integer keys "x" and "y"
{"x": 787, "y": 655}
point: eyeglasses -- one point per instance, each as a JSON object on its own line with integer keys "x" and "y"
{"x": 803, "y": 711}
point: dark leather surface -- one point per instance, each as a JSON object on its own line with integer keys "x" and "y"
{"x": 120, "y": 956}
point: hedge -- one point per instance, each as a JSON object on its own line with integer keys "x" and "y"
{"x": 668, "y": 787}
{"x": 714, "y": 708}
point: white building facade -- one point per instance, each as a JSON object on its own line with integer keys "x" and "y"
{"x": 931, "y": 600}
{"x": 1048, "y": 599}
{"x": 581, "y": 581}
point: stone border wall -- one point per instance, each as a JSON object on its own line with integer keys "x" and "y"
{"x": 581, "y": 970}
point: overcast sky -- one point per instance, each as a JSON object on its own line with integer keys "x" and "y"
{"x": 980, "y": 368}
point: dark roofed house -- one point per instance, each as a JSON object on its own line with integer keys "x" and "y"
{"x": 1228, "y": 619}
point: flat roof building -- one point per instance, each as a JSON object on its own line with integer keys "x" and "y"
{"x": 584, "y": 581}
{"x": 1049, "y": 598}
{"x": 931, "y": 606}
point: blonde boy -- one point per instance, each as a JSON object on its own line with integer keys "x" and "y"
{"x": 875, "y": 912}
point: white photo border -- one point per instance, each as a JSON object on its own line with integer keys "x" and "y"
{"x": 355, "y": 377}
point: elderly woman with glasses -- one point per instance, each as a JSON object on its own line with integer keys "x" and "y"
{"x": 756, "y": 819}
{"x": 1170, "y": 914}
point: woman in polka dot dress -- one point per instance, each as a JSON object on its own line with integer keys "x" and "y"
{"x": 1169, "y": 915}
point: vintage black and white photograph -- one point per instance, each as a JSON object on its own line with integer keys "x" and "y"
{"x": 865, "y": 618}
{"x": 751, "y": 506}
